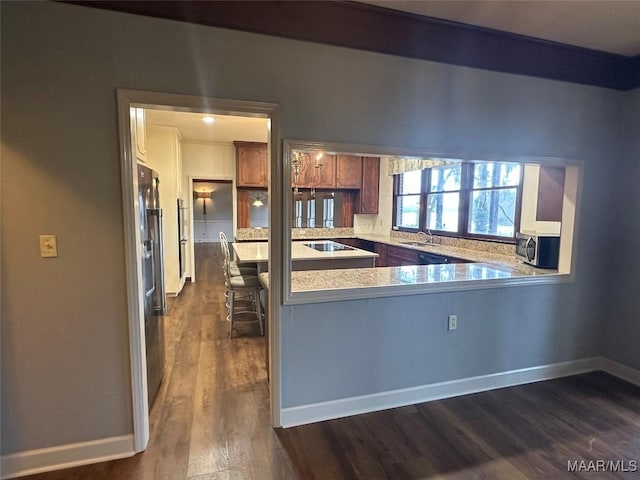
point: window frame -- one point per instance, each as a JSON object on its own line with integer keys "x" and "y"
{"x": 396, "y": 194}
{"x": 464, "y": 205}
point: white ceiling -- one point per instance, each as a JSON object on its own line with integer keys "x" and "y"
{"x": 225, "y": 129}
{"x": 607, "y": 25}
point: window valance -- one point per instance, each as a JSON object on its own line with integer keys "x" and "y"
{"x": 409, "y": 164}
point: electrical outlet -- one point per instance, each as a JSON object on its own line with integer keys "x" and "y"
{"x": 453, "y": 322}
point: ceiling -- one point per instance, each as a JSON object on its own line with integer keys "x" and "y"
{"x": 225, "y": 129}
{"x": 608, "y": 25}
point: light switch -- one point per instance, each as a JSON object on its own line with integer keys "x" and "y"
{"x": 48, "y": 246}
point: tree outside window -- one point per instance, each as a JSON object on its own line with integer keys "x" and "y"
{"x": 467, "y": 199}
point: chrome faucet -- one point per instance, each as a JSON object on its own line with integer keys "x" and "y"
{"x": 427, "y": 238}
{"x": 424, "y": 238}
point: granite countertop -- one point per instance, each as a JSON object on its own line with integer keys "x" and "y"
{"x": 358, "y": 278}
{"x": 385, "y": 277}
{"x": 487, "y": 266}
{"x": 478, "y": 256}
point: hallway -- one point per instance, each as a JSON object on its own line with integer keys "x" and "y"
{"x": 210, "y": 420}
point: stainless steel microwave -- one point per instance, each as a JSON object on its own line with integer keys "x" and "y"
{"x": 540, "y": 251}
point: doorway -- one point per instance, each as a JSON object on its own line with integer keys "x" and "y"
{"x": 212, "y": 209}
{"x": 127, "y": 101}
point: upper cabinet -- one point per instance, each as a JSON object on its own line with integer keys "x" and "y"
{"x": 348, "y": 171}
{"x": 325, "y": 172}
{"x": 315, "y": 173}
{"x": 139, "y": 133}
{"x": 368, "y": 198}
{"x": 550, "y": 194}
{"x": 251, "y": 164}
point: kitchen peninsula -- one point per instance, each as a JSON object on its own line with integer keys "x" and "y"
{"x": 308, "y": 255}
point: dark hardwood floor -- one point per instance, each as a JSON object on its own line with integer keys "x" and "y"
{"x": 211, "y": 419}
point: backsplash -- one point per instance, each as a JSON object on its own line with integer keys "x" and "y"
{"x": 244, "y": 234}
{"x": 481, "y": 245}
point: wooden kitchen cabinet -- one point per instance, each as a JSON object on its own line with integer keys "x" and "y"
{"x": 398, "y": 256}
{"x": 316, "y": 174}
{"x": 348, "y": 171}
{"x": 243, "y": 209}
{"x": 369, "y": 190}
{"x": 251, "y": 164}
{"x": 550, "y": 194}
{"x": 382, "y": 249}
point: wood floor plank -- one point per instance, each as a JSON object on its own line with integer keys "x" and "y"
{"x": 211, "y": 418}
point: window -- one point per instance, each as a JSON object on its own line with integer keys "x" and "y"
{"x": 465, "y": 199}
{"x": 327, "y": 209}
{"x": 494, "y": 199}
{"x": 407, "y": 199}
{"x": 297, "y": 210}
{"x": 311, "y": 212}
{"x": 443, "y": 198}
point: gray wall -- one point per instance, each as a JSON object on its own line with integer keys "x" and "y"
{"x": 621, "y": 322}
{"x": 65, "y": 374}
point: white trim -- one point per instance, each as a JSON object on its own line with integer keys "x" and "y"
{"x": 133, "y": 260}
{"x": 345, "y": 407}
{"x": 185, "y": 103}
{"x": 621, "y": 371}
{"x": 66, "y": 456}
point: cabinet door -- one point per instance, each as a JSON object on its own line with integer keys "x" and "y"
{"x": 251, "y": 164}
{"x": 369, "y": 192}
{"x": 306, "y": 172}
{"x": 382, "y": 250}
{"x": 348, "y": 171}
{"x": 398, "y": 257}
{"x": 315, "y": 173}
{"x": 550, "y": 194}
{"x": 243, "y": 209}
{"x": 326, "y": 172}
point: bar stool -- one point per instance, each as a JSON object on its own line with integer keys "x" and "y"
{"x": 246, "y": 287}
{"x": 234, "y": 268}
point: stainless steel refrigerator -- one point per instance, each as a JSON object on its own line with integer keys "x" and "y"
{"x": 152, "y": 276}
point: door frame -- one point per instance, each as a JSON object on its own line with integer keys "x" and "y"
{"x": 126, "y": 99}
{"x": 192, "y": 237}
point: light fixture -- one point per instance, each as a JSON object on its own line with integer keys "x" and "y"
{"x": 203, "y": 195}
{"x": 258, "y": 201}
{"x": 208, "y": 120}
{"x": 296, "y": 163}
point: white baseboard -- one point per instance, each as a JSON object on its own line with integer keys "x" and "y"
{"x": 621, "y": 371}
{"x": 316, "y": 412}
{"x": 66, "y": 456}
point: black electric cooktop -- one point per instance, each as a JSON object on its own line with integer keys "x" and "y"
{"x": 328, "y": 246}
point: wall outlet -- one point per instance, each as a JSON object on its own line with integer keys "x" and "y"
{"x": 453, "y": 322}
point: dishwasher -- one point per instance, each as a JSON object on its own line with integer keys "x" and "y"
{"x": 426, "y": 258}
